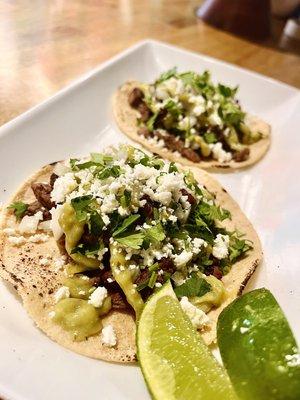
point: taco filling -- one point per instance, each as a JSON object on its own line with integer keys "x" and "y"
{"x": 189, "y": 115}
{"x": 126, "y": 222}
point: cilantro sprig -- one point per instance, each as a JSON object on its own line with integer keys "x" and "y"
{"x": 19, "y": 208}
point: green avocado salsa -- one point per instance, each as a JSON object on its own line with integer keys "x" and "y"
{"x": 128, "y": 222}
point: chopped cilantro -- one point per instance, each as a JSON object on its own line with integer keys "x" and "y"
{"x": 166, "y": 75}
{"x": 154, "y": 267}
{"x": 210, "y": 212}
{"x": 126, "y": 224}
{"x": 86, "y": 249}
{"x": 210, "y": 137}
{"x": 19, "y": 208}
{"x": 227, "y": 91}
{"x": 173, "y": 108}
{"x": 125, "y": 199}
{"x": 101, "y": 158}
{"x": 152, "y": 279}
{"x": 81, "y": 206}
{"x": 134, "y": 240}
{"x": 114, "y": 171}
{"x": 172, "y": 167}
{"x": 96, "y": 224}
{"x": 151, "y": 121}
{"x": 194, "y": 286}
{"x": 156, "y": 233}
{"x": 238, "y": 247}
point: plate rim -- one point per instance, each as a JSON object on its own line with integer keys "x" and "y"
{"x": 82, "y": 78}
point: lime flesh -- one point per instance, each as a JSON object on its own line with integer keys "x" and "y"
{"x": 175, "y": 362}
{"x": 258, "y": 348}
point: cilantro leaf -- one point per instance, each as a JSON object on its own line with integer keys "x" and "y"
{"x": 156, "y": 233}
{"x": 125, "y": 199}
{"x": 227, "y": 91}
{"x": 126, "y": 224}
{"x": 19, "y": 208}
{"x": 152, "y": 279}
{"x": 96, "y": 224}
{"x": 211, "y": 212}
{"x": 231, "y": 113}
{"x": 210, "y": 137}
{"x": 166, "y": 75}
{"x": 101, "y": 158}
{"x": 173, "y": 108}
{"x": 151, "y": 121}
{"x": 81, "y": 206}
{"x": 114, "y": 171}
{"x": 134, "y": 240}
{"x": 86, "y": 249}
{"x": 238, "y": 247}
{"x": 194, "y": 286}
{"x": 172, "y": 167}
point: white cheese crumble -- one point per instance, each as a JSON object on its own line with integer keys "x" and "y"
{"x": 29, "y": 224}
{"x": 38, "y": 238}
{"x": 183, "y": 258}
{"x": 97, "y": 297}
{"x": 221, "y": 246}
{"x": 109, "y": 337}
{"x": 198, "y": 318}
{"x": 63, "y": 186}
{"x": 51, "y": 314}
{"x": 16, "y": 240}
{"x": 59, "y": 262}
{"x": 54, "y": 225}
{"x": 44, "y": 261}
{"x": 219, "y": 153}
{"x": 61, "y": 293}
{"x": 9, "y": 231}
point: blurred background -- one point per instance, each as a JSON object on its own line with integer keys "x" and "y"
{"x": 45, "y": 44}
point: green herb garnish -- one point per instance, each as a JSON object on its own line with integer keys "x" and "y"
{"x": 194, "y": 286}
{"x": 19, "y": 208}
{"x": 126, "y": 224}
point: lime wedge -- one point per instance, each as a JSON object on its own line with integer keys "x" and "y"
{"x": 258, "y": 348}
{"x": 175, "y": 362}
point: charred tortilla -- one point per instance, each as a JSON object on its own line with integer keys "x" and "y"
{"x": 35, "y": 283}
{"x": 127, "y": 117}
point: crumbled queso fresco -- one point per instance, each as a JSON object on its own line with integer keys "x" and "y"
{"x": 131, "y": 222}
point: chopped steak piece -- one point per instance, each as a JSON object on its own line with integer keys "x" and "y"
{"x": 242, "y": 155}
{"x": 191, "y": 155}
{"x": 143, "y": 277}
{"x": 175, "y": 144}
{"x": 135, "y": 97}
{"x": 53, "y": 178}
{"x": 95, "y": 280}
{"x": 118, "y": 301}
{"x": 34, "y": 207}
{"x": 167, "y": 265}
{"x": 147, "y": 209}
{"x": 42, "y": 192}
{"x": 144, "y": 111}
{"x": 88, "y": 238}
{"x": 143, "y": 131}
{"x": 191, "y": 199}
{"x": 215, "y": 271}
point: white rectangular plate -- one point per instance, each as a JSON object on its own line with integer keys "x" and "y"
{"x": 79, "y": 119}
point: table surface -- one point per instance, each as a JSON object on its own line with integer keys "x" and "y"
{"x": 46, "y": 44}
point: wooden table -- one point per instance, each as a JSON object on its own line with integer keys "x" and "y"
{"x": 46, "y": 44}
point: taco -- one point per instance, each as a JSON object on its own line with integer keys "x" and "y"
{"x": 184, "y": 117}
{"x": 85, "y": 242}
